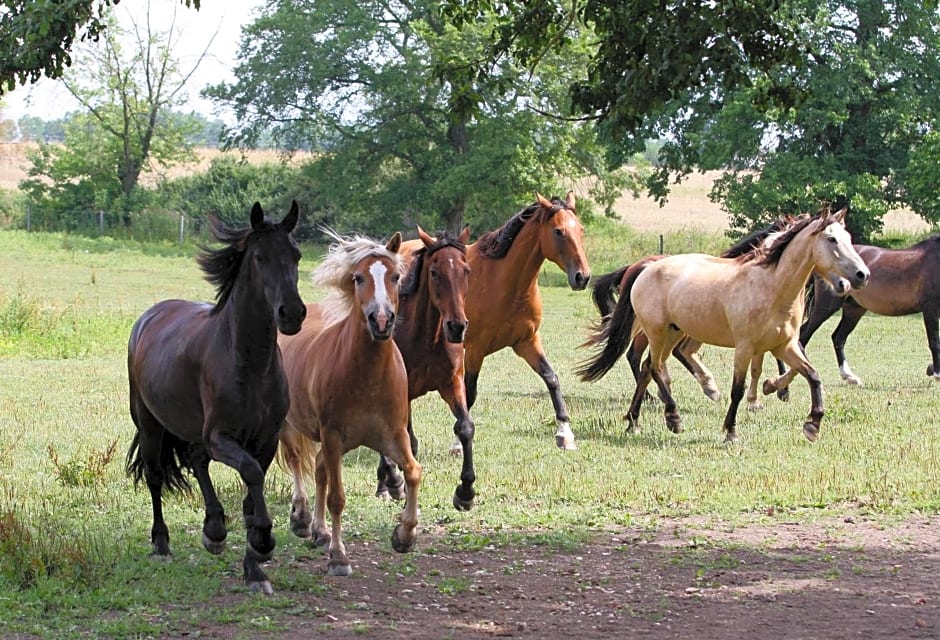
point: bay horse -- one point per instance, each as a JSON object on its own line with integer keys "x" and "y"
{"x": 753, "y": 303}
{"x": 429, "y": 332}
{"x": 207, "y": 383}
{"x": 903, "y": 282}
{"x": 348, "y": 388}
{"x": 505, "y": 304}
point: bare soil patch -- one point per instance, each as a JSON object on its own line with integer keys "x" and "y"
{"x": 846, "y": 577}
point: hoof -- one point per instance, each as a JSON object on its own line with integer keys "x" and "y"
{"x": 161, "y": 557}
{"x": 713, "y": 394}
{"x": 731, "y": 438}
{"x": 633, "y": 425}
{"x": 340, "y": 568}
{"x": 301, "y": 522}
{"x": 263, "y": 587}
{"x": 931, "y": 373}
{"x": 769, "y": 387}
{"x": 674, "y": 424}
{"x": 456, "y": 450}
{"x": 783, "y": 394}
{"x": 215, "y": 547}
{"x": 811, "y": 431}
{"x": 755, "y": 406}
{"x": 566, "y": 442}
{"x": 322, "y": 539}
{"x": 397, "y": 493}
{"x": 855, "y": 381}
{"x": 400, "y": 545}
{"x": 460, "y": 504}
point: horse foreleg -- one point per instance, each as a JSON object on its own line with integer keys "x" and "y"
{"x": 793, "y": 355}
{"x": 213, "y": 526}
{"x": 320, "y": 533}
{"x": 390, "y": 483}
{"x": 260, "y": 541}
{"x": 852, "y": 312}
{"x": 405, "y": 532}
{"x": 742, "y": 358}
{"x": 335, "y": 501}
{"x": 933, "y": 342}
{"x": 534, "y": 355}
{"x": 464, "y": 430}
{"x": 686, "y": 352}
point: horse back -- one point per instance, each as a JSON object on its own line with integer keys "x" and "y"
{"x": 903, "y": 281}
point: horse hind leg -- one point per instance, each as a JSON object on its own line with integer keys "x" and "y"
{"x": 390, "y": 485}
{"x": 933, "y": 342}
{"x": 757, "y": 368}
{"x": 145, "y": 460}
{"x": 405, "y": 532}
{"x": 852, "y": 312}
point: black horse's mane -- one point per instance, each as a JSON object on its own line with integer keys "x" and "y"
{"x": 220, "y": 266}
{"x": 495, "y": 244}
{"x": 746, "y": 245}
{"x": 413, "y": 278}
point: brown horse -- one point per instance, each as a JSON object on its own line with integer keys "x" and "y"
{"x": 206, "y": 382}
{"x": 903, "y": 282}
{"x": 505, "y": 304}
{"x": 753, "y": 303}
{"x": 429, "y": 332}
{"x": 348, "y": 388}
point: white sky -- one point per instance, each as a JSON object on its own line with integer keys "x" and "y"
{"x": 48, "y": 100}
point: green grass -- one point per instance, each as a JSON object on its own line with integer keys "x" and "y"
{"x": 74, "y": 534}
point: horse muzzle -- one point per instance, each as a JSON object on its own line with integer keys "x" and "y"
{"x": 455, "y": 330}
{"x": 381, "y": 324}
{"x": 578, "y": 280}
{"x": 290, "y": 318}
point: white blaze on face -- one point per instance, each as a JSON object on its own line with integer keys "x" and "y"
{"x": 377, "y": 269}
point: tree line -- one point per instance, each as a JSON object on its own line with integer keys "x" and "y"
{"x": 453, "y": 112}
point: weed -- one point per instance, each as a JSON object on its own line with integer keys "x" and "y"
{"x": 82, "y": 473}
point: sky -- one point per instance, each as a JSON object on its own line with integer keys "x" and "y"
{"x": 49, "y": 100}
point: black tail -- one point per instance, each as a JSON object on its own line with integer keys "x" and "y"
{"x": 174, "y": 458}
{"x": 615, "y": 332}
{"x": 604, "y": 288}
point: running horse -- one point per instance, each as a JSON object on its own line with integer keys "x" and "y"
{"x": 505, "y": 308}
{"x": 429, "y": 332}
{"x": 207, "y": 383}
{"x": 348, "y": 388}
{"x": 903, "y": 282}
{"x": 753, "y": 303}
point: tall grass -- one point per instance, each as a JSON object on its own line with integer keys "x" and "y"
{"x": 74, "y": 534}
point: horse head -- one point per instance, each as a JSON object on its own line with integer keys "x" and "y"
{"x": 271, "y": 256}
{"x": 562, "y": 239}
{"x": 836, "y": 259}
{"x": 448, "y": 277}
{"x": 376, "y": 281}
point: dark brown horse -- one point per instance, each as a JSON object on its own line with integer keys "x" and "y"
{"x": 429, "y": 332}
{"x": 207, "y": 383}
{"x": 903, "y": 282}
{"x": 348, "y": 388}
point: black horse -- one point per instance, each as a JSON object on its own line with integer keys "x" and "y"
{"x": 207, "y": 383}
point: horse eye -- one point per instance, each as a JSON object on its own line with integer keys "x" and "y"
{"x": 833, "y": 239}
{"x": 434, "y": 274}
{"x": 560, "y": 233}
{"x": 395, "y": 278}
{"x": 358, "y": 279}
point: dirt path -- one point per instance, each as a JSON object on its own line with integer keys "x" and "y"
{"x": 837, "y": 578}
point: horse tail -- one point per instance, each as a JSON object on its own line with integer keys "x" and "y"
{"x": 616, "y": 332}
{"x": 604, "y": 288}
{"x": 296, "y": 453}
{"x": 174, "y": 458}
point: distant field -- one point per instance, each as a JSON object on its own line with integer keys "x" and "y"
{"x": 688, "y": 206}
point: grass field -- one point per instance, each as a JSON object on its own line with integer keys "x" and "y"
{"x": 74, "y": 534}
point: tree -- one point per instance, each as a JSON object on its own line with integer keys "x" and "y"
{"x": 127, "y": 125}
{"x": 381, "y": 87}
{"x": 36, "y": 38}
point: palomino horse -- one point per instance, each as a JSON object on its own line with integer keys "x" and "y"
{"x": 505, "y": 308}
{"x": 206, "y": 382}
{"x": 429, "y": 332}
{"x": 348, "y": 388}
{"x": 903, "y": 281}
{"x": 753, "y": 303}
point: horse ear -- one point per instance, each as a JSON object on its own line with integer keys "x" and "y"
{"x": 290, "y": 220}
{"x": 839, "y": 216}
{"x": 569, "y": 200}
{"x": 464, "y": 234}
{"x": 395, "y": 243}
{"x": 543, "y": 201}
{"x": 425, "y": 238}
{"x": 257, "y": 215}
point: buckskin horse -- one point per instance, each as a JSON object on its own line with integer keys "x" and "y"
{"x": 206, "y": 382}
{"x": 753, "y": 303}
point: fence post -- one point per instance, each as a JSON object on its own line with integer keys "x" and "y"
{"x": 101, "y": 220}
{"x": 29, "y": 220}
{"x": 182, "y": 225}
{"x": 661, "y": 246}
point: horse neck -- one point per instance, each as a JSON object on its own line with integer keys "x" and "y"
{"x": 253, "y": 335}
{"x": 795, "y": 267}
{"x": 524, "y": 259}
{"x": 421, "y": 317}
{"x": 357, "y": 342}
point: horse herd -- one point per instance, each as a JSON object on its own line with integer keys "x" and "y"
{"x": 260, "y": 375}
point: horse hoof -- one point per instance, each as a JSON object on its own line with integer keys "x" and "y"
{"x": 713, "y": 395}
{"x": 397, "y": 493}
{"x": 769, "y": 387}
{"x": 456, "y": 450}
{"x": 460, "y": 504}
{"x": 731, "y": 438}
{"x": 339, "y": 568}
{"x": 755, "y": 406}
{"x": 811, "y": 431}
{"x": 401, "y": 545}
{"x": 161, "y": 557}
{"x": 215, "y": 547}
{"x": 674, "y": 424}
{"x": 300, "y": 529}
{"x": 633, "y": 425}
{"x": 931, "y": 373}
{"x": 322, "y": 539}
{"x": 783, "y": 394}
{"x": 263, "y": 587}
{"x": 565, "y": 442}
